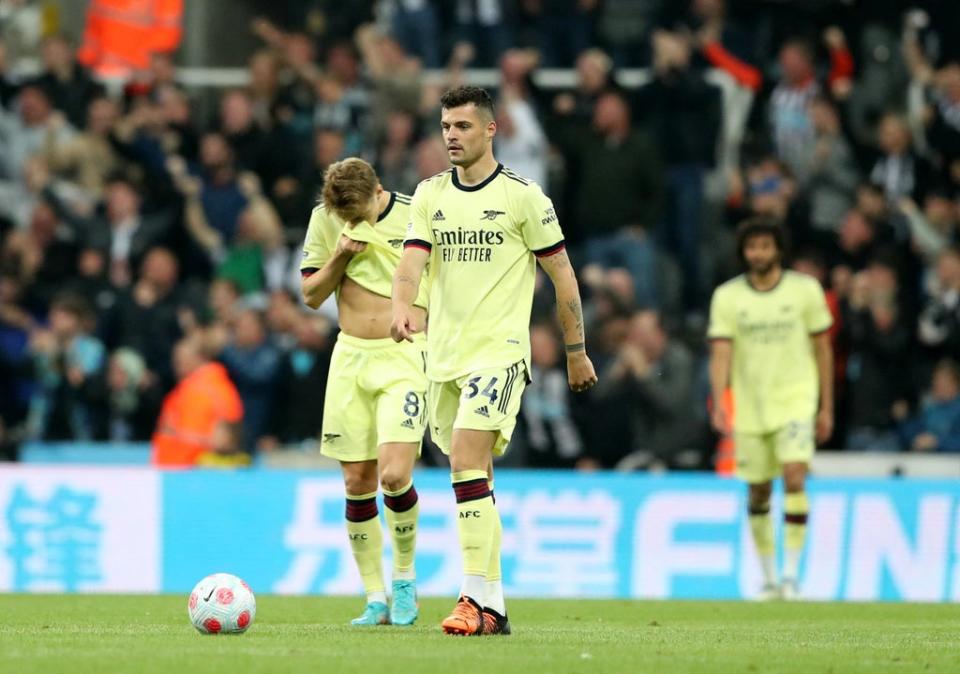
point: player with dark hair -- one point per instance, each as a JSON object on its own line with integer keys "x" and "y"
{"x": 770, "y": 342}
{"x": 374, "y": 409}
{"x": 482, "y": 228}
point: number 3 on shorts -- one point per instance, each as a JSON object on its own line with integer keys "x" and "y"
{"x": 489, "y": 390}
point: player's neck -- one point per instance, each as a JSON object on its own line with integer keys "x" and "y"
{"x": 478, "y": 171}
{"x": 383, "y": 202}
{"x": 763, "y": 282}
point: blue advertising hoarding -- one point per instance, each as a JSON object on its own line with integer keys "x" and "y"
{"x": 565, "y": 534}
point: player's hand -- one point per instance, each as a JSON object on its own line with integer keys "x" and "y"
{"x": 824, "y": 425}
{"x": 719, "y": 420}
{"x": 347, "y": 247}
{"x": 580, "y": 372}
{"x": 404, "y": 325}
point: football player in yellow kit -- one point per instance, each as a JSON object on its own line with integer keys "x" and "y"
{"x": 770, "y": 342}
{"x": 375, "y": 405}
{"x": 482, "y": 228}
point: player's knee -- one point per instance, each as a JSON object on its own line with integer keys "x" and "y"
{"x": 393, "y": 478}
{"x": 359, "y": 481}
{"x": 794, "y": 477}
{"x": 760, "y": 494}
{"x": 466, "y": 462}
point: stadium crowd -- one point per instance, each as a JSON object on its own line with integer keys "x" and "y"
{"x": 145, "y": 250}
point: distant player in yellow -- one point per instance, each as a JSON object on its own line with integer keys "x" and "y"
{"x": 769, "y": 341}
{"x": 482, "y": 228}
{"x": 375, "y": 404}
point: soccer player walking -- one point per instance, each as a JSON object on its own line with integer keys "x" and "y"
{"x": 768, "y": 333}
{"x": 375, "y": 404}
{"x": 482, "y": 228}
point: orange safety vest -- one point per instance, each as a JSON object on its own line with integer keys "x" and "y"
{"x": 191, "y": 412}
{"x": 726, "y": 461}
{"x": 120, "y": 35}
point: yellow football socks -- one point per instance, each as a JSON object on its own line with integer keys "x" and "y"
{"x": 402, "y": 509}
{"x": 477, "y": 520}
{"x": 366, "y": 541}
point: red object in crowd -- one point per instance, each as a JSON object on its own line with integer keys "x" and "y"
{"x": 121, "y": 35}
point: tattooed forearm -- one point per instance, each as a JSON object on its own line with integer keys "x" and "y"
{"x": 576, "y": 312}
{"x": 574, "y": 348}
{"x": 570, "y": 311}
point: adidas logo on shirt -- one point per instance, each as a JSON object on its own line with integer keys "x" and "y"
{"x": 407, "y": 423}
{"x": 483, "y": 411}
{"x": 438, "y": 216}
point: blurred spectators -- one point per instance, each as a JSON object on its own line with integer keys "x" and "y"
{"x": 28, "y": 131}
{"x": 302, "y": 377}
{"x": 145, "y": 317}
{"x": 88, "y": 159}
{"x": 936, "y": 426}
{"x": 681, "y": 113}
{"x": 548, "y": 435}
{"x": 124, "y": 231}
{"x": 125, "y": 400}
{"x": 617, "y": 199}
{"x": 179, "y": 212}
{"x": 879, "y": 340}
{"x": 486, "y": 26}
{"x": 66, "y": 358}
{"x": 656, "y": 374}
{"x": 67, "y": 83}
{"x": 939, "y": 325}
{"x": 254, "y": 363}
{"x": 415, "y": 25}
{"x": 564, "y": 28}
{"x": 899, "y": 171}
{"x": 834, "y": 174}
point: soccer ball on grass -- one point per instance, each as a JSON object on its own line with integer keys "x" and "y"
{"x": 221, "y": 604}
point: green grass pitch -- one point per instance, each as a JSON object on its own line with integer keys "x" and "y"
{"x": 103, "y": 634}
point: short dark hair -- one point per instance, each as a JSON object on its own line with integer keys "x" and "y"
{"x": 74, "y": 304}
{"x": 760, "y": 226}
{"x": 464, "y": 95}
{"x": 951, "y": 366}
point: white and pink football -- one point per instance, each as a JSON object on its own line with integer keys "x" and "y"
{"x": 222, "y": 604}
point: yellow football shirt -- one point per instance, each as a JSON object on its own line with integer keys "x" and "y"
{"x": 373, "y": 268}
{"x": 483, "y": 241}
{"x": 774, "y": 373}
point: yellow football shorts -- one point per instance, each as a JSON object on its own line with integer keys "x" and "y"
{"x": 485, "y": 400}
{"x": 376, "y": 393}
{"x": 760, "y": 457}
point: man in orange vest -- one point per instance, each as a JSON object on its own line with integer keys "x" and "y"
{"x": 121, "y": 35}
{"x": 200, "y": 419}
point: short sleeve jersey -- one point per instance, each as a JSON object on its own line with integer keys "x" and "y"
{"x": 483, "y": 241}
{"x": 774, "y": 372}
{"x": 373, "y": 268}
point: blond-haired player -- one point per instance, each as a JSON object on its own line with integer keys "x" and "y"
{"x": 375, "y": 406}
{"x": 769, "y": 341}
{"x": 482, "y": 228}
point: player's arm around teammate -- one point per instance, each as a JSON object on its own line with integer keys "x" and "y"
{"x": 375, "y": 406}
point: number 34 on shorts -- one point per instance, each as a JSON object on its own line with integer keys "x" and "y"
{"x": 485, "y": 400}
